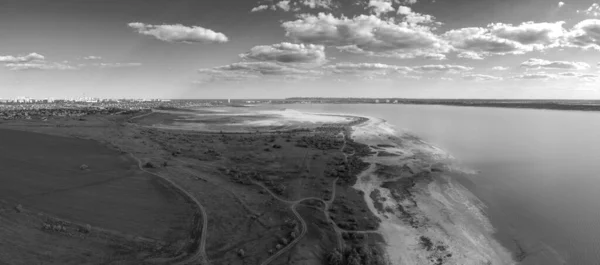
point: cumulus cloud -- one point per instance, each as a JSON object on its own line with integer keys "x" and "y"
{"x": 397, "y": 54}
{"x": 415, "y": 18}
{"x": 296, "y": 5}
{"x": 368, "y": 71}
{"x": 500, "y": 38}
{"x": 21, "y": 59}
{"x": 288, "y": 53}
{"x": 579, "y": 75}
{"x": 545, "y": 64}
{"x": 264, "y": 68}
{"x": 592, "y": 11}
{"x": 585, "y": 34}
{"x": 530, "y": 33}
{"x": 325, "y": 4}
{"x": 32, "y": 61}
{"x": 379, "y": 7}
{"x": 535, "y": 76}
{"x": 284, "y": 5}
{"x": 179, "y": 33}
{"x": 116, "y": 65}
{"x": 354, "y": 68}
{"x": 443, "y": 68}
{"x": 499, "y": 68}
{"x": 92, "y": 58}
{"x": 367, "y": 34}
{"x": 404, "y": 10}
{"x": 259, "y": 8}
{"x": 255, "y": 70}
{"x": 481, "y": 77}
{"x": 469, "y": 55}
{"x": 38, "y": 65}
{"x": 431, "y": 56}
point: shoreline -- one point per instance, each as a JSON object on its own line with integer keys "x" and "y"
{"x": 438, "y": 229}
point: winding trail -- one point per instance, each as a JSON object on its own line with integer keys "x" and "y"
{"x": 200, "y": 254}
{"x": 327, "y": 204}
{"x": 141, "y": 115}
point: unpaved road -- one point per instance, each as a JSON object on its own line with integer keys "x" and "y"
{"x": 294, "y": 204}
{"x": 200, "y": 254}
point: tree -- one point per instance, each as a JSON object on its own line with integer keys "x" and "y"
{"x": 335, "y": 258}
{"x": 354, "y": 258}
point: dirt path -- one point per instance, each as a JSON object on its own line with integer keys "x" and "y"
{"x": 327, "y": 204}
{"x": 200, "y": 254}
{"x": 141, "y": 115}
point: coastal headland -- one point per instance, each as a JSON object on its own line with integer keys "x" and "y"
{"x": 232, "y": 186}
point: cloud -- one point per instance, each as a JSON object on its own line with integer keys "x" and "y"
{"x": 536, "y": 76}
{"x": 545, "y": 64}
{"x": 561, "y": 4}
{"x": 431, "y": 56}
{"x": 585, "y": 34}
{"x": 264, "y": 68}
{"x": 353, "y": 68}
{"x": 379, "y": 7}
{"x": 366, "y": 34}
{"x": 499, "y": 68}
{"x": 116, "y": 65}
{"x": 32, "y": 61}
{"x": 469, "y": 55}
{"x": 530, "y": 33}
{"x": 481, "y": 77}
{"x": 578, "y": 75}
{"x": 404, "y": 10}
{"x": 260, "y": 8}
{"x": 544, "y": 76}
{"x": 394, "y": 54}
{"x": 179, "y": 33}
{"x": 296, "y": 5}
{"x": 92, "y": 57}
{"x": 288, "y": 53}
{"x": 284, "y": 5}
{"x": 415, "y": 18}
{"x": 24, "y": 66}
{"x": 500, "y": 38}
{"x": 325, "y": 4}
{"x": 369, "y": 71}
{"x": 256, "y": 70}
{"x": 21, "y": 59}
{"x": 592, "y": 11}
{"x": 443, "y": 68}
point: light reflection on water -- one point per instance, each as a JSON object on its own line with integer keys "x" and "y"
{"x": 539, "y": 170}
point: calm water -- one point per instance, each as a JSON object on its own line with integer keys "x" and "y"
{"x": 539, "y": 170}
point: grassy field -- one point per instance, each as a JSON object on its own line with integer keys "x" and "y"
{"x": 249, "y": 184}
{"x": 43, "y": 173}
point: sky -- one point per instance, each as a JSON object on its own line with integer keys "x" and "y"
{"x": 526, "y": 49}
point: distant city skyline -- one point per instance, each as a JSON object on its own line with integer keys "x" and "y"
{"x": 523, "y": 49}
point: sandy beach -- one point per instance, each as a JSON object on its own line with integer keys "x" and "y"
{"x": 432, "y": 219}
